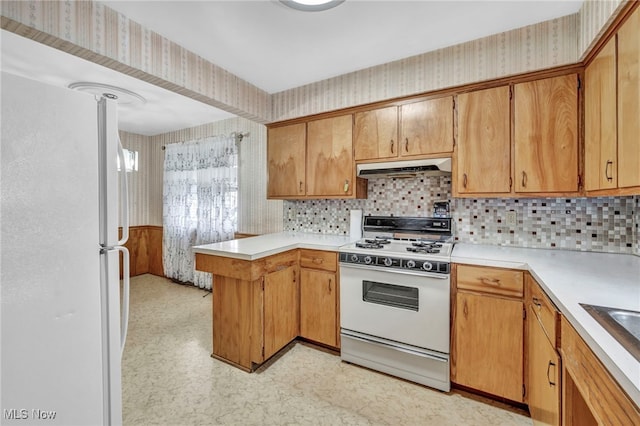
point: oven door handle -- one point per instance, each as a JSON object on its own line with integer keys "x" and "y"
{"x": 396, "y": 271}
{"x": 391, "y": 345}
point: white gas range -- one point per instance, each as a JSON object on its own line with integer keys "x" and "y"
{"x": 395, "y": 298}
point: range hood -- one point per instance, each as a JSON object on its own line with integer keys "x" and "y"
{"x": 410, "y": 168}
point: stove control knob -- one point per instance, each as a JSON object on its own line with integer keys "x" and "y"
{"x": 388, "y": 261}
{"x": 368, "y": 260}
{"x": 411, "y": 264}
{"x": 427, "y": 266}
{"x": 354, "y": 258}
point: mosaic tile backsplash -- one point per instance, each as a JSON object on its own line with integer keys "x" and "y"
{"x": 608, "y": 224}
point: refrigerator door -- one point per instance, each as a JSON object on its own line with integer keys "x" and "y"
{"x": 56, "y": 362}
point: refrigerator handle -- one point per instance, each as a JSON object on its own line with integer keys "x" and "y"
{"x": 124, "y": 320}
{"x": 124, "y": 196}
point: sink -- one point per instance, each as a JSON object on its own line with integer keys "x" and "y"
{"x": 622, "y": 324}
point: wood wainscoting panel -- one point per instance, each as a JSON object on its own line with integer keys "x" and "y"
{"x": 145, "y": 250}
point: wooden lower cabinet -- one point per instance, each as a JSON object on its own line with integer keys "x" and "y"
{"x": 587, "y": 383}
{"x": 255, "y": 306}
{"x": 318, "y": 306}
{"x": 488, "y": 345}
{"x": 319, "y": 301}
{"x": 543, "y": 384}
{"x": 281, "y": 324}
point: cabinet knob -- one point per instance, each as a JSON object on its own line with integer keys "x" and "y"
{"x": 406, "y": 144}
{"x": 524, "y": 179}
{"x": 392, "y": 146}
{"x": 300, "y": 186}
{"x": 346, "y": 185}
{"x": 464, "y": 180}
{"x": 329, "y": 285}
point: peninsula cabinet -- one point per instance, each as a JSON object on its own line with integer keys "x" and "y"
{"x": 412, "y": 130}
{"x": 612, "y": 111}
{"x": 482, "y": 164}
{"x": 546, "y": 135}
{"x": 543, "y": 386}
{"x": 590, "y": 396}
{"x": 255, "y": 306}
{"x": 488, "y": 331}
{"x": 319, "y": 301}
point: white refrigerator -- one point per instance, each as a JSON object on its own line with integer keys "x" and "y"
{"x": 62, "y": 315}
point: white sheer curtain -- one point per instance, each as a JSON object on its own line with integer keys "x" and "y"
{"x": 200, "y": 198}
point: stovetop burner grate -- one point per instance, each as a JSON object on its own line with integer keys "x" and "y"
{"x": 424, "y": 249}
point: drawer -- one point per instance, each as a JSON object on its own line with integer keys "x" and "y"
{"x": 498, "y": 281}
{"x": 318, "y": 259}
{"x": 540, "y": 304}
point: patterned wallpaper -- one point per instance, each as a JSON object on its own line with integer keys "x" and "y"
{"x": 139, "y": 189}
{"x": 92, "y": 31}
{"x": 594, "y": 17}
{"x": 544, "y": 45}
{"x": 257, "y": 214}
{"x": 95, "y": 32}
{"x": 586, "y": 224}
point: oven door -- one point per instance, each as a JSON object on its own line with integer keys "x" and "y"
{"x": 400, "y": 306}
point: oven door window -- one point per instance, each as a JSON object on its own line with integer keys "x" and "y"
{"x": 394, "y": 295}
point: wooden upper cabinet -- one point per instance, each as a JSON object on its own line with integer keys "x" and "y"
{"x": 375, "y": 134}
{"x": 629, "y": 102}
{"x": 546, "y": 135}
{"x": 600, "y": 120}
{"x": 426, "y": 127}
{"x": 484, "y": 142}
{"x": 330, "y": 164}
{"x": 286, "y": 161}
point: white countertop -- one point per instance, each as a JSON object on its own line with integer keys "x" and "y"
{"x": 266, "y": 245}
{"x": 570, "y": 278}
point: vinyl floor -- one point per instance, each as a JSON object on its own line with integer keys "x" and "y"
{"x": 169, "y": 378}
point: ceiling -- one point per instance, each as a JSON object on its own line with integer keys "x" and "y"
{"x": 277, "y": 48}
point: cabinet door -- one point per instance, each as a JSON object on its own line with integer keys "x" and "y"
{"x": 488, "y": 345}
{"x": 600, "y": 120}
{"x": 544, "y": 375}
{"x": 281, "y": 322}
{"x": 629, "y": 102}
{"x": 546, "y": 135}
{"x": 427, "y": 127}
{"x": 286, "y": 161}
{"x": 375, "y": 134}
{"x": 330, "y": 157}
{"x": 318, "y": 318}
{"x": 484, "y": 142}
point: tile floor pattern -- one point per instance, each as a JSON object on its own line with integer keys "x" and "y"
{"x": 169, "y": 378}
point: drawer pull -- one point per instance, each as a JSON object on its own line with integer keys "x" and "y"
{"x": 318, "y": 260}
{"x": 536, "y": 302}
{"x": 490, "y": 281}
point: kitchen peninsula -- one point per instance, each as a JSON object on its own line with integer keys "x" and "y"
{"x": 256, "y": 293}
